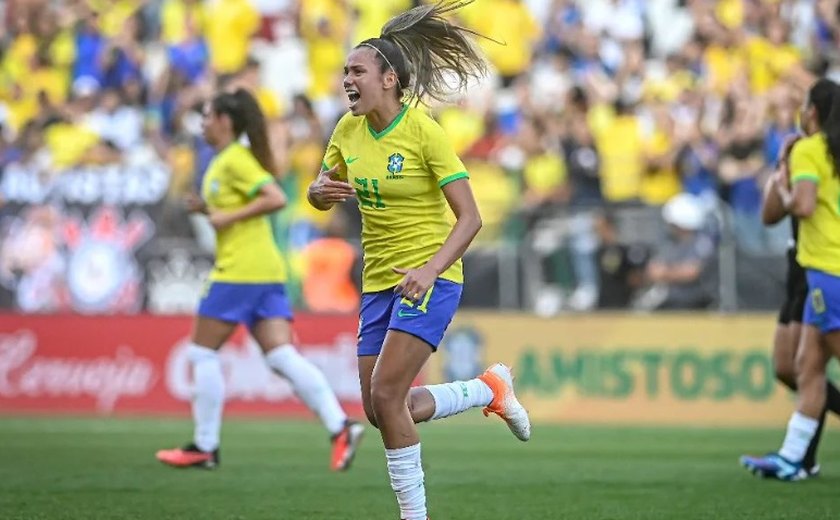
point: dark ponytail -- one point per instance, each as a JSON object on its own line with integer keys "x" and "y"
{"x": 825, "y": 97}
{"x": 245, "y": 115}
{"x": 422, "y": 45}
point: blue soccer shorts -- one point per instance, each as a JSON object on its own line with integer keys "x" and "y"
{"x": 245, "y": 303}
{"x": 822, "y": 309}
{"x": 427, "y": 319}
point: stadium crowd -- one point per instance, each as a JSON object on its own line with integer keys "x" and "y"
{"x": 595, "y": 109}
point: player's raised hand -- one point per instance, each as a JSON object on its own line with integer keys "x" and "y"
{"x": 328, "y": 189}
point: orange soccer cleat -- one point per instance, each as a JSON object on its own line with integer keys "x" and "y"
{"x": 189, "y": 457}
{"x": 504, "y": 403}
{"x": 344, "y": 445}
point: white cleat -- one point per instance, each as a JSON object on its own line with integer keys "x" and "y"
{"x": 505, "y": 404}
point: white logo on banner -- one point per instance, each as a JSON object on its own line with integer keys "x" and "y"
{"x": 176, "y": 282}
{"x": 106, "y": 379}
{"x": 119, "y": 184}
{"x": 248, "y": 378}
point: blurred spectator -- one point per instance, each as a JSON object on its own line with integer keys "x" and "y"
{"x": 31, "y": 265}
{"x": 28, "y": 153}
{"x": 696, "y": 163}
{"x": 328, "y": 276}
{"x": 682, "y": 269}
{"x": 618, "y": 135}
{"x": 181, "y": 20}
{"x": 660, "y": 181}
{"x": 742, "y": 163}
{"x": 115, "y": 121}
{"x": 583, "y": 164}
{"x": 229, "y": 25}
{"x": 507, "y": 21}
{"x": 369, "y": 17}
{"x": 543, "y": 172}
{"x": 188, "y": 53}
{"x": 620, "y": 266}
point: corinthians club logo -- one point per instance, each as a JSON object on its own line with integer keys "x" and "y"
{"x": 102, "y": 272}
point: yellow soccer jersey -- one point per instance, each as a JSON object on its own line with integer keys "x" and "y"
{"x": 819, "y": 235}
{"x": 398, "y": 175}
{"x": 246, "y": 251}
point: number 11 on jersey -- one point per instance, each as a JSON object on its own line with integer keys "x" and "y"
{"x": 364, "y": 192}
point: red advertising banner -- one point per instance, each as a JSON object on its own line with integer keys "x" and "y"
{"x": 137, "y": 365}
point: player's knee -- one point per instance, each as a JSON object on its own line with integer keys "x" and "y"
{"x": 371, "y": 416}
{"x": 384, "y": 398}
{"x": 786, "y": 374}
{"x": 810, "y": 373}
{"x": 807, "y": 366}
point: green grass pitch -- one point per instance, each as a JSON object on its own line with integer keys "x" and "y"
{"x": 94, "y": 469}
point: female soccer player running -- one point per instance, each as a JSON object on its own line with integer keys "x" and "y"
{"x": 246, "y": 285}
{"x": 400, "y": 166}
{"x": 788, "y": 330}
{"x": 815, "y": 201}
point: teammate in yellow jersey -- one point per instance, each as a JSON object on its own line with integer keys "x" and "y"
{"x": 246, "y": 285}
{"x": 815, "y": 201}
{"x": 789, "y": 327}
{"x": 404, "y": 173}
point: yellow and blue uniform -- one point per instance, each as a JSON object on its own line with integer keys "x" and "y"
{"x": 247, "y": 281}
{"x": 819, "y": 234}
{"x": 399, "y": 174}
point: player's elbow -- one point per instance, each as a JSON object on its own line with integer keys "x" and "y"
{"x": 770, "y": 217}
{"x": 803, "y": 208}
{"x": 473, "y": 222}
{"x": 478, "y": 223}
{"x": 276, "y": 201}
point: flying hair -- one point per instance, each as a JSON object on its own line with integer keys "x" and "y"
{"x": 422, "y": 45}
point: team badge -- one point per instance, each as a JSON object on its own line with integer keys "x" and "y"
{"x": 817, "y": 301}
{"x": 395, "y": 163}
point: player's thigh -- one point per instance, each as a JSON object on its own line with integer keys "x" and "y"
{"x": 811, "y": 356}
{"x": 222, "y": 307}
{"x": 366, "y": 365}
{"x": 272, "y": 332}
{"x": 832, "y": 343}
{"x": 403, "y": 356}
{"x": 822, "y": 310}
{"x": 211, "y": 332}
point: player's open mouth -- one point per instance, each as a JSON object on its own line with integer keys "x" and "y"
{"x": 353, "y": 96}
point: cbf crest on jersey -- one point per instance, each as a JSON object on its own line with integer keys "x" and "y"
{"x": 395, "y": 166}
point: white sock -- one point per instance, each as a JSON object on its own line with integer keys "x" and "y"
{"x": 208, "y": 396}
{"x": 454, "y": 398}
{"x": 309, "y": 385}
{"x": 800, "y": 431}
{"x": 406, "y": 472}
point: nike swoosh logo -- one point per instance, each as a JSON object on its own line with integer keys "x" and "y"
{"x": 402, "y": 314}
{"x": 351, "y": 160}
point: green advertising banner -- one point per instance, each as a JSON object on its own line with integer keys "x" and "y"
{"x": 630, "y": 369}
